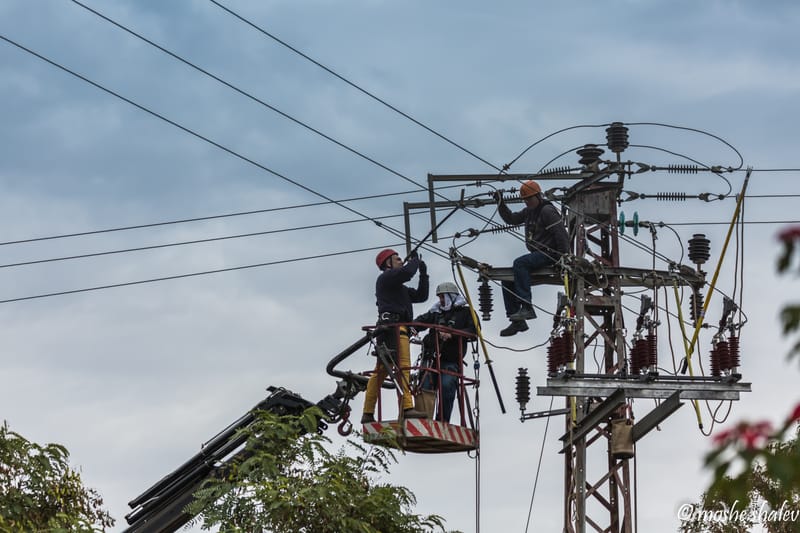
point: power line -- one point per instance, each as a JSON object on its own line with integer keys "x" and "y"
{"x": 247, "y": 94}
{"x": 195, "y": 241}
{"x": 352, "y": 84}
{"x": 260, "y": 101}
{"x": 745, "y": 222}
{"x": 189, "y": 275}
{"x": 772, "y": 170}
{"x": 185, "y": 129}
{"x": 208, "y": 217}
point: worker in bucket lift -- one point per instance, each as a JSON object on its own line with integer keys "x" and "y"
{"x": 546, "y": 239}
{"x": 394, "y": 301}
{"x": 452, "y": 311}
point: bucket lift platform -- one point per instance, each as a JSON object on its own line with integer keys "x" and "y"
{"x": 421, "y": 435}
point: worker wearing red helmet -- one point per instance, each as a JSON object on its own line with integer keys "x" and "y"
{"x": 394, "y": 301}
{"x": 546, "y": 239}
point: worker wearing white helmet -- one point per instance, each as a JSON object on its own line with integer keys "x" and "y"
{"x": 546, "y": 239}
{"x": 453, "y": 312}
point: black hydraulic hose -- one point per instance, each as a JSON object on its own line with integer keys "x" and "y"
{"x": 344, "y": 354}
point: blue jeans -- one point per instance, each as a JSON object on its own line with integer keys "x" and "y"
{"x": 518, "y": 292}
{"x": 448, "y": 391}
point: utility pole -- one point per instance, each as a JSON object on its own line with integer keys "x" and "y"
{"x": 601, "y": 430}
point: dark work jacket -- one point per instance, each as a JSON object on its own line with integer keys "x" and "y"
{"x": 392, "y": 296}
{"x": 544, "y": 231}
{"x": 458, "y": 317}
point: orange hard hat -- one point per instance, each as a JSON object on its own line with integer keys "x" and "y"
{"x": 383, "y": 255}
{"x": 529, "y": 188}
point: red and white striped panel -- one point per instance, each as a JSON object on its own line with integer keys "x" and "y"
{"x": 422, "y": 427}
{"x": 377, "y": 430}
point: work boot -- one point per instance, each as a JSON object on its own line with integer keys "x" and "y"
{"x": 413, "y": 413}
{"x": 525, "y": 312}
{"x": 366, "y": 418}
{"x": 515, "y": 327}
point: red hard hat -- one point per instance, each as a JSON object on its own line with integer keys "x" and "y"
{"x": 529, "y": 188}
{"x": 383, "y": 255}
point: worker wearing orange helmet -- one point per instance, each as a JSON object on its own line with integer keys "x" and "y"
{"x": 394, "y": 301}
{"x": 546, "y": 239}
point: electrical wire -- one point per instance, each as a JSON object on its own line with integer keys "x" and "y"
{"x": 248, "y": 95}
{"x": 702, "y": 132}
{"x": 745, "y": 223}
{"x": 205, "y": 218}
{"x": 352, "y": 84}
{"x": 707, "y": 167}
{"x": 194, "y": 274}
{"x": 187, "y": 130}
{"x": 508, "y": 165}
{"x": 195, "y": 241}
{"x": 197, "y": 135}
{"x": 262, "y": 102}
{"x": 358, "y": 198}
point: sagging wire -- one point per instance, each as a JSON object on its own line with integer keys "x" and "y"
{"x": 518, "y": 350}
{"x": 508, "y": 165}
{"x": 712, "y": 169}
{"x": 695, "y": 130}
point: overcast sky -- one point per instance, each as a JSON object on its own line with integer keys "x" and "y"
{"x": 134, "y": 379}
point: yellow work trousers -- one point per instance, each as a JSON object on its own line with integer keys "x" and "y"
{"x": 377, "y": 378}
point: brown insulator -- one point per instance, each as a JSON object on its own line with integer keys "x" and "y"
{"x": 715, "y": 367}
{"x": 724, "y": 355}
{"x": 589, "y": 154}
{"x": 733, "y": 348}
{"x": 569, "y": 346}
{"x": 652, "y": 351}
{"x": 559, "y": 350}
{"x": 485, "y": 299}
{"x": 638, "y": 354}
{"x": 552, "y": 361}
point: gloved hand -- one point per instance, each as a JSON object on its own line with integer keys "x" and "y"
{"x": 498, "y": 197}
{"x": 413, "y": 255}
{"x": 423, "y": 268}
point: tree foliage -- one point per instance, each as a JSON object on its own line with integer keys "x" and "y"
{"x": 755, "y": 465}
{"x": 40, "y": 492}
{"x": 290, "y": 481}
{"x": 771, "y": 500}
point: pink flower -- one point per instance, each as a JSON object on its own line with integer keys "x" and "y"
{"x": 723, "y": 437}
{"x": 790, "y": 234}
{"x": 750, "y": 435}
{"x": 756, "y": 434}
